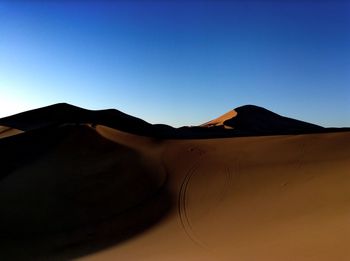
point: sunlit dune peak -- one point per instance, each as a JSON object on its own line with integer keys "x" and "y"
{"x": 220, "y": 120}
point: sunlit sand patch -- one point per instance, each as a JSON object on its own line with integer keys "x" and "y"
{"x": 8, "y": 131}
{"x": 221, "y": 120}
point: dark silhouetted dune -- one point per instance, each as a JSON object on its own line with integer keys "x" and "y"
{"x": 103, "y": 185}
{"x": 251, "y": 118}
{"x": 248, "y": 120}
{"x": 63, "y": 113}
{"x": 70, "y": 178}
{"x": 262, "y": 120}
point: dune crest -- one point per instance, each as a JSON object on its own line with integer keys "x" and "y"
{"x": 103, "y": 185}
{"x": 255, "y": 119}
{"x": 248, "y": 120}
{"x": 220, "y": 121}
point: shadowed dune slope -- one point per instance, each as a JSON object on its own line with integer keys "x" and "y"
{"x": 260, "y": 119}
{"x": 70, "y": 179}
{"x": 63, "y": 113}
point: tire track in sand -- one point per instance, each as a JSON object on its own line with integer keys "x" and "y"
{"x": 183, "y": 205}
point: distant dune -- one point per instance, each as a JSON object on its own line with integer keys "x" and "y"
{"x": 247, "y": 120}
{"x": 103, "y": 185}
{"x": 63, "y": 113}
{"x": 259, "y": 120}
{"x": 220, "y": 121}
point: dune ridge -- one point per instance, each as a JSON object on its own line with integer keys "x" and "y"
{"x": 220, "y": 121}
{"x": 248, "y": 120}
{"x": 260, "y": 120}
{"x": 74, "y": 188}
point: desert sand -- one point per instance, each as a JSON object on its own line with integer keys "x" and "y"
{"x": 92, "y": 192}
{"x": 8, "y": 131}
{"x": 220, "y": 120}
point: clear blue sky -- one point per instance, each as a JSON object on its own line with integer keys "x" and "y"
{"x": 178, "y": 62}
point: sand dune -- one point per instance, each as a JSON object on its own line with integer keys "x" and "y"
{"x": 63, "y": 113}
{"x": 8, "y": 131}
{"x": 94, "y": 192}
{"x": 258, "y": 120}
{"x": 248, "y": 120}
{"x": 220, "y": 121}
{"x": 263, "y": 198}
{"x": 72, "y": 184}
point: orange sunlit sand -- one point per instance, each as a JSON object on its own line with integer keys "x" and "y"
{"x": 74, "y": 188}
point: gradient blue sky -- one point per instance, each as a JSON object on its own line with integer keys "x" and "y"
{"x": 178, "y": 62}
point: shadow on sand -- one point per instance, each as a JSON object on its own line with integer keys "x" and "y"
{"x": 68, "y": 192}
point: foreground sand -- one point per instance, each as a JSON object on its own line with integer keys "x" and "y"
{"x": 253, "y": 198}
{"x": 263, "y": 198}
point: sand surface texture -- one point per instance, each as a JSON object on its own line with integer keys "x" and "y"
{"x": 263, "y": 198}
{"x": 92, "y": 192}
